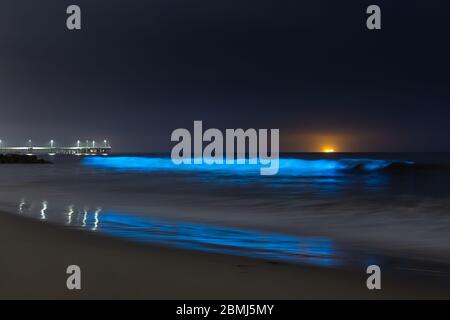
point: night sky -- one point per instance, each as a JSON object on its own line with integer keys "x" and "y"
{"x": 140, "y": 69}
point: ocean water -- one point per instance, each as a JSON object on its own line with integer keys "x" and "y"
{"x": 328, "y": 210}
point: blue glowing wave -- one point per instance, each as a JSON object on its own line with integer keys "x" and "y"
{"x": 288, "y": 166}
{"x": 309, "y": 250}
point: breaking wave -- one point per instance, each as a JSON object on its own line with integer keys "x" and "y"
{"x": 287, "y": 166}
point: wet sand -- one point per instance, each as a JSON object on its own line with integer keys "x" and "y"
{"x": 35, "y": 255}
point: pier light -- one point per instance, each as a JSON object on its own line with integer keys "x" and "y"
{"x": 104, "y": 141}
{"x": 52, "y": 142}
{"x": 78, "y": 143}
{"x": 1, "y": 142}
{"x": 29, "y": 143}
{"x": 93, "y": 144}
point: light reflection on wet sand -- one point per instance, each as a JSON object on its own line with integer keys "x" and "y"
{"x": 193, "y": 236}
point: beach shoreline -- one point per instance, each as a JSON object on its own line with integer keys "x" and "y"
{"x": 35, "y": 256}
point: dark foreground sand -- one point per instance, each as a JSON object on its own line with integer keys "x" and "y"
{"x": 34, "y": 257}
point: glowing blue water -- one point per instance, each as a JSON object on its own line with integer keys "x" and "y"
{"x": 288, "y": 167}
{"x": 317, "y": 251}
{"x": 257, "y": 244}
{"x": 340, "y": 197}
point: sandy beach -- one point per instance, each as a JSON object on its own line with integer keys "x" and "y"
{"x": 35, "y": 255}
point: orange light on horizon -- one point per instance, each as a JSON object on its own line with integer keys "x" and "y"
{"x": 328, "y": 150}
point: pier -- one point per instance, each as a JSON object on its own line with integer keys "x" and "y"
{"x": 88, "y": 148}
